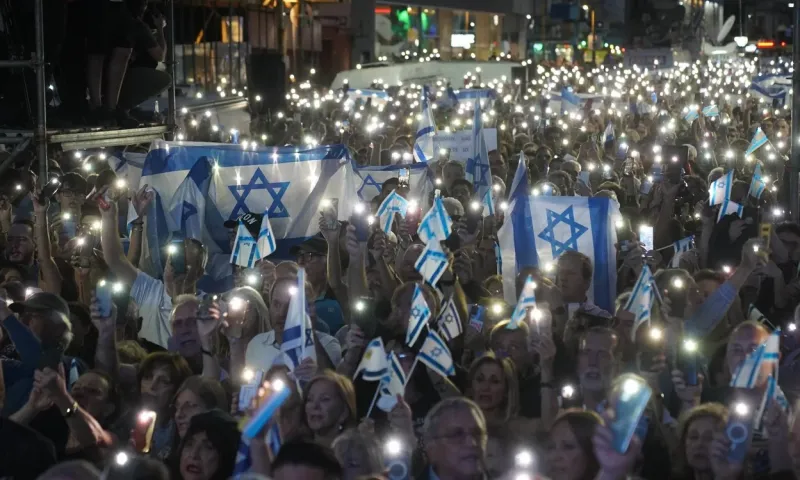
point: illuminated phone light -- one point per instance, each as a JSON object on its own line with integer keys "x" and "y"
{"x": 277, "y": 385}
{"x": 393, "y": 447}
{"x": 755, "y": 248}
{"x": 80, "y": 241}
{"x": 18, "y": 187}
{"x": 497, "y": 309}
{"x": 726, "y": 269}
{"x": 97, "y": 225}
{"x": 536, "y": 314}
{"x": 248, "y": 375}
{"x": 172, "y": 249}
{"x": 28, "y": 292}
{"x": 121, "y": 459}
{"x": 690, "y": 345}
{"x": 359, "y": 209}
{"x": 677, "y": 283}
{"x": 236, "y": 303}
{"x": 631, "y": 387}
{"x": 78, "y": 155}
{"x": 87, "y": 166}
{"x": 568, "y": 391}
{"x": 619, "y": 223}
{"x": 370, "y": 219}
{"x": 117, "y": 287}
{"x": 146, "y": 416}
{"x": 791, "y": 327}
{"x": 252, "y": 279}
{"x": 102, "y": 156}
{"x": 504, "y": 206}
{"x": 656, "y": 334}
{"x": 292, "y": 290}
{"x": 121, "y": 183}
{"x": 360, "y": 306}
{"x": 325, "y": 203}
{"x": 523, "y": 459}
{"x": 741, "y": 409}
{"x": 66, "y": 215}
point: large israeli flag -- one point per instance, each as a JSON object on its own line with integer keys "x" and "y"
{"x": 426, "y": 130}
{"x": 287, "y": 183}
{"x": 554, "y": 225}
{"x": 477, "y": 169}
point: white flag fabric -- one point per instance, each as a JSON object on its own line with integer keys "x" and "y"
{"x": 436, "y": 225}
{"x": 373, "y": 365}
{"x": 362, "y": 184}
{"x": 477, "y": 169}
{"x": 420, "y": 314}
{"x": 435, "y": 354}
{"x": 432, "y": 263}
{"x": 541, "y": 228}
{"x": 757, "y": 183}
{"x": 527, "y": 299}
{"x": 392, "y": 384}
{"x": 266, "y": 238}
{"x": 426, "y": 131}
{"x": 245, "y": 248}
{"x": 298, "y": 333}
{"x": 640, "y": 303}
{"x": 188, "y": 206}
{"x": 758, "y": 141}
{"x": 449, "y": 322}
{"x": 391, "y": 205}
{"x": 680, "y": 247}
{"x": 720, "y": 189}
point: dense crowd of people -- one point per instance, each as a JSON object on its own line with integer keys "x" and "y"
{"x": 112, "y": 372}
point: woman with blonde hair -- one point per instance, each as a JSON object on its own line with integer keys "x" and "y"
{"x": 492, "y": 384}
{"x": 329, "y": 401}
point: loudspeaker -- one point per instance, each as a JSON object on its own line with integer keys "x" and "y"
{"x": 266, "y": 77}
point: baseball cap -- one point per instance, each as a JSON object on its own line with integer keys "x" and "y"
{"x": 251, "y": 220}
{"x": 40, "y": 301}
{"x": 316, "y": 244}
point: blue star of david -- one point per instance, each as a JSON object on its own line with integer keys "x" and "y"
{"x": 480, "y": 172}
{"x": 276, "y": 190}
{"x": 369, "y": 182}
{"x": 449, "y": 318}
{"x": 188, "y": 211}
{"x": 416, "y": 312}
{"x": 576, "y": 230}
{"x": 436, "y": 352}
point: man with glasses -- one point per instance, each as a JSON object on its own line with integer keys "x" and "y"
{"x": 312, "y": 255}
{"x": 455, "y": 438}
{"x": 72, "y": 194}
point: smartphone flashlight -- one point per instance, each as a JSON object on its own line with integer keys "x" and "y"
{"x": 97, "y": 225}
{"x": 497, "y": 309}
{"x": 252, "y": 279}
{"x": 325, "y": 203}
{"x": 677, "y": 283}
{"x": 631, "y": 387}
{"x": 475, "y": 205}
{"x": 359, "y": 209}
{"x": 523, "y": 459}
{"x": 656, "y": 334}
{"x": 121, "y": 459}
{"x": 120, "y": 183}
{"x": 690, "y": 345}
{"x": 292, "y": 290}
{"x": 536, "y": 315}
{"x": 28, "y": 292}
{"x": 360, "y": 306}
{"x": 567, "y": 391}
{"x": 18, "y": 187}
{"x": 236, "y": 303}
{"x": 248, "y": 375}
{"x": 393, "y": 447}
{"x": 791, "y": 327}
{"x": 741, "y": 409}
{"x": 172, "y": 249}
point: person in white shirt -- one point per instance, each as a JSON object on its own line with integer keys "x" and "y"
{"x": 153, "y": 296}
{"x": 264, "y": 350}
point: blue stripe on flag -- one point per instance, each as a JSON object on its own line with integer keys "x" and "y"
{"x": 605, "y": 267}
{"x": 524, "y": 238}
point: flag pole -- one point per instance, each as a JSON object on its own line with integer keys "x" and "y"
{"x": 374, "y": 399}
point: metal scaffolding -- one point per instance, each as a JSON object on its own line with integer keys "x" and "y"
{"x": 93, "y": 137}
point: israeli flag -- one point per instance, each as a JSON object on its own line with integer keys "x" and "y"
{"x": 436, "y": 225}
{"x": 392, "y": 384}
{"x": 420, "y": 314}
{"x": 488, "y": 204}
{"x": 475, "y": 96}
{"x": 435, "y": 354}
{"x": 691, "y": 116}
{"x": 187, "y": 209}
{"x": 758, "y": 141}
{"x": 362, "y": 184}
{"x": 640, "y": 302}
{"x": 128, "y": 166}
{"x": 746, "y": 374}
{"x": 243, "y": 460}
{"x": 520, "y": 184}
{"x": 298, "y": 334}
{"x": 720, "y": 189}
{"x": 432, "y": 263}
{"x": 757, "y": 184}
{"x": 608, "y": 135}
{"x": 449, "y": 322}
{"x": 477, "y": 168}
{"x": 245, "y": 248}
{"x": 680, "y": 247}
{"x": 373, "y": 364}
{"x": 765, "y": 89}
{"x": 527, "y": 300}
{"x": 274, "y": 439}
{"x": 266, "y": 239}
{"x": 711, "y": 111}
{"x": 288, "y": 183}
{"x": 569, "y": 101}
{"x": 554, "y": 225}
{"x": 729, "y": 207}
{"x": 755, "y": 315}
{"x": 393, "y": 203}
{"x": 423, "y": 140}
{"x": 772, "y": 350}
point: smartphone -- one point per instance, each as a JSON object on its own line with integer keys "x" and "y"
{"x": 764, "y": 234}
{"x": 330, "y": 212}
{"x": 741, "y": 420}
{"x": 678, "y": 298}
{"x": 49, "y": 190}
{"x": 646, "y": 236}
{"x": 360, "y": 220}
{"x": 474, "y": 215}
{"x": 68, "y": 225}
{"x": 651, "y": 343}
{"x": 686, "y": 360}
{"x": 676, "y": 158}
{"x": 569, "y": 397}
{"x": 404, "y": 179}
{"x": 363, "y": 315}
{"x": 104, "y": 298}
{"x": 177, "y": 256}
{"x": 51, "y": 357}
{"x": 629, "y": 397}
{"x": 476, "y": 315}
{"x": 398, "y": 460}
{"x": 249, "y": 390}
{"x": 142, "y": 434}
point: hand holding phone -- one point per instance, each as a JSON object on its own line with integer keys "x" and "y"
{"x": 360, "y": 220}
{"x": 741, "y": 420}
{"x": 104, "y": 298}
{"x": 629, "y": 397}
{"x": 142, "y": 434}
{"x": 177, "y": 256}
